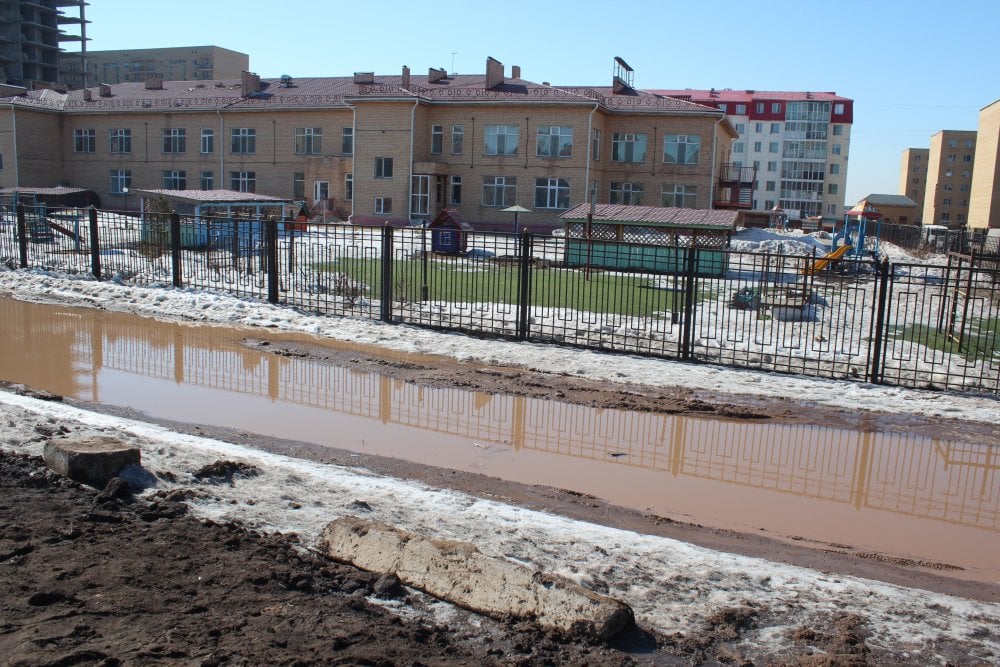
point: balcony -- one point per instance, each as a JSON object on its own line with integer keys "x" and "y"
{"x": 734, "y": 189}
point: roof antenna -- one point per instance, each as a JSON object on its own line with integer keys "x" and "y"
{"x": 453, "y": 54}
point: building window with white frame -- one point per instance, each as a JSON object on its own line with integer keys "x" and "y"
{"x": 772, "y": 165}
{"x": 679, "y": 196}
{"x": 838, "y": 130}
{"x": 457, "y": 139}
{"x": 628, "y": 147}
{"x": 834, "y": 169}
{"x": 349, "y": 187}
{"x": 770, "y": 186}
{"x": 437, "y": 139}
{"x": 207, "y": 141}
{"x": 84, "y": 141}
{"x": 383, "y": 167}
{"x": 760, "y": 107}
{"x": 627, "y": 193}
{"x": 775, "y": 128}
{"x": 121, "y": 180}
{"x": 773, "y": 147}
{"x": 298, "y": 185}
{"x": 120, "y": 140}
{"x": 174, "y": 179}
{"x": 207, "y": 180}
{"x": 835, "y": 149}
{"x": 383, "y": 205}
{"x": 832, "y": 188}
{"x": 420, "y": 194}
{"x": 595, "y": 149}
{"x": 174, "y": 140}
{"x": 501, "y": 139}
{"x": 741, "y": 110}
{"x": 551, "y": 193}
{"x": 757, "y": 146}
{"x": 347, "y": 141}
{"x": 243, "y": 140}
{"x": 243, "y": 181}
{"x": 499, "y": 191}
{"x": 741, "y": 129}
{"x": 682, "y": 148}
{"x": 758, "y": 128}
{"x": 554, "y": 141}
{"x": 308, "y": 140}
{"x": 838, "y": 109}
{"x": 775, "y": 107}
{"x": 455, "y": 191}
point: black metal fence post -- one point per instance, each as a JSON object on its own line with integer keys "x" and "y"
{"x": 271, "y": 239}
{"x": 22, "y": 237}
{"x": 878, "y": 335}
{"x": 95, "y": 245}
{"x": 524, "y": 284}
{"x": 385, "y": 310}
{"x": 687, "y": 324}
{"x": 175, "y": 248}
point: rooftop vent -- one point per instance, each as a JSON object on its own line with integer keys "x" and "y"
{"x": 249, "y": 83}
{"x": 286, "y": 81}
{"x": 435, "y": 74}
{"x": 364, "y": 77}
{"x": 104, "y": 90}
{"x": 154, "y": 82}
{"x": 88, "y": 95}
{"x": 494, "y": 73}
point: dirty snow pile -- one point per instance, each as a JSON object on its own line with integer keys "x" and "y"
{"x": 671, "y": 585}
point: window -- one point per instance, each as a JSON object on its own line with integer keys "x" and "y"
{"x": 769, "y": 186}
{"x": 945, "y": 217}
{"x": 244, "y": 140}
{"x": 775, "y": 108}
{"x": 948, "y": 187}
{"x": 835, "y": 149}
{"x": 756, "y": 146}
{"x": 84, "y": 141}
{"x": 207, "y": 141}
{"x": 628, "y": 147}
{"x": 775, "y": 128}
{"x": 952, "y": 143}
{"x": 457, "y": 139}
{"x": 760, "y": 107}
{"x": 174, "y": 140}
{"x": 758, "y": 128}
{"x": 420, "y": 194}
{"x": 499, "y": 190}
{"x": 741, "y": 109}
{"x": 347, "y": 141}
{"x": 299, "y": 185}
{"x": 321, "y": 191}
{"x": 831, "y": 189}
{"x": 772, "y": 165}
{"x": 120, "y": 140}
{"x": 950, "y": 158}
{"x": 968, "y": 143}
{"x": 834, "y": 169}
{"x": 349, "y": 187}
{"x": 501, "y": 139}
{"x": 207, "y": 180}
{"x": 739, "y": 147}
{"x": 946, "y": 201}
{"x": 383, "y": 167}
{"x": 681, "y": 148}
{"x": 174, "y": 179}
{"x": 966, "y": 173}
{"x": 551, "y": 193}
{"x": 768, "y": 204}
{"x": 838, "y": 130}
{"x": 966, "y": 158}
{"x": 723, "y": 108}
{"x": 680, "y": 196}
{"x": 960, "y": 217}
{"x": 121, "y": 180}
{"x": 964, "y": 187}
{"x": 949, "y": 173}
{"x": 741, "y": 129}
{"x": 437, "y": 139}
{"x": 243, "y": 181}
{"x": 773, "y": 147}
{"x": 308, "y": 140}
{"x": 455, "y": 192}
{"x": 626, "y": 193}
{"x": 554, "y": 141}
{"x": 383, "y": 204}
{"x": 595, "y": 149}
{"x": 838, "y": 109}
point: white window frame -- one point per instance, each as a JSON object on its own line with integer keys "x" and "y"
{"x": 383, "y": 205}
{"x": 174, "y": 179}
{"x": 120, "y": 140}
{"x": 554, "y": 141}
{"x": 627, "y": 193}
{"x": 688, "y": 195}
{"x": 308, "y": 140}
{"x": 349, "y": 187}
{"x": 243, "y": 181}
{"x": 437, "y": 139}
{"x": 207, "y": 141}
{"x": 206, "y": 179}
{"x": 121, "y": 181}
{"x": 420, "y": 194}
{"x": 687, "y": 148}
{"x": 628, "y": 147}
{"x": 84, "y": 140}
{"x": 505, "y": 186}
{"x": 455, "y": 190}
{"x": 347, "y": 141}
{"x": 552, "y": 193}
{"x": 321, "y": 190}
{"x": 457, "y": 139}
{"x": 505, "y": 140}
{"x": 383, "y": 167}
{"x": 174, "y": 140}
{"x": 243, "y": 140}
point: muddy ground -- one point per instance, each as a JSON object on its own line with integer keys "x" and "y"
{"x": 91, "y": 578}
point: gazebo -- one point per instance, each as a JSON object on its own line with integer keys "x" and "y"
{"x": 649, "y": 238}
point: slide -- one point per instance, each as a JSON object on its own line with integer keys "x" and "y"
{"x": 822, "y": 262}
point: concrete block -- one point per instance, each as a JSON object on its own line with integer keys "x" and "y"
{"x": 91, "y": 461}
{"x": 459, "y": 573}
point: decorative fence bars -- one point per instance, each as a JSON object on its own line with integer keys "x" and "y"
{"x": 914, "y": 325}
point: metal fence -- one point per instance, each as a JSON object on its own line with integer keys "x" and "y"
{"x": 911, "y": 325}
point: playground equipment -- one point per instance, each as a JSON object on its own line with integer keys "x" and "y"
{"x": 823, "y": 261}
{"x": 860, "y": 230}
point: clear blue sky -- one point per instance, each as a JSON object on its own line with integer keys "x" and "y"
{"x": 913, "y": 67}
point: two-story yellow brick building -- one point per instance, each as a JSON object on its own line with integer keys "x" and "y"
{"x": 372, "y": 148}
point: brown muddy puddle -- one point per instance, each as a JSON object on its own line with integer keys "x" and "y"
{"x": 897, "y": 494}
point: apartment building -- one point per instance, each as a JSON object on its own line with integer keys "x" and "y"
{"x": 949, "y": 178}
{"x": 913, "y": 177}
{"x": 377, "y": 149}
{"x": 798, "y": 142}
{"x": 31, "y": 34}
{"x": 984, "y": 201}
{"x": 184, "y": 63}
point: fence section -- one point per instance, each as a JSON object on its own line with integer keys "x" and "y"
{"x": 911, "y": 325}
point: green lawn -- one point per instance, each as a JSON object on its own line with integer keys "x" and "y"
{"x": 982, "y": 341}
{"x": 464, "y": 281}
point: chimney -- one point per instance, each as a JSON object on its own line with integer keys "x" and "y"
{"x": 435, "y": 75}
{"x": 249, "y": 83}
{"x": 87, "y": 95}
{"x": 494, "y": 73}
{"x": 364, "y": 77}
{"x": 154, "y": 82}
{"x": 406, "y": 77}
{"x": 105, "y": 90}
{"x": 515, "y": 71}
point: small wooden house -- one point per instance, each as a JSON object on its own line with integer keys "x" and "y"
{"x": 449, "y": 232}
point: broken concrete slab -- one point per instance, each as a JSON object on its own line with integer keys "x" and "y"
{"x": 459, "y": 573}
{"x": 93, "y": 461}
